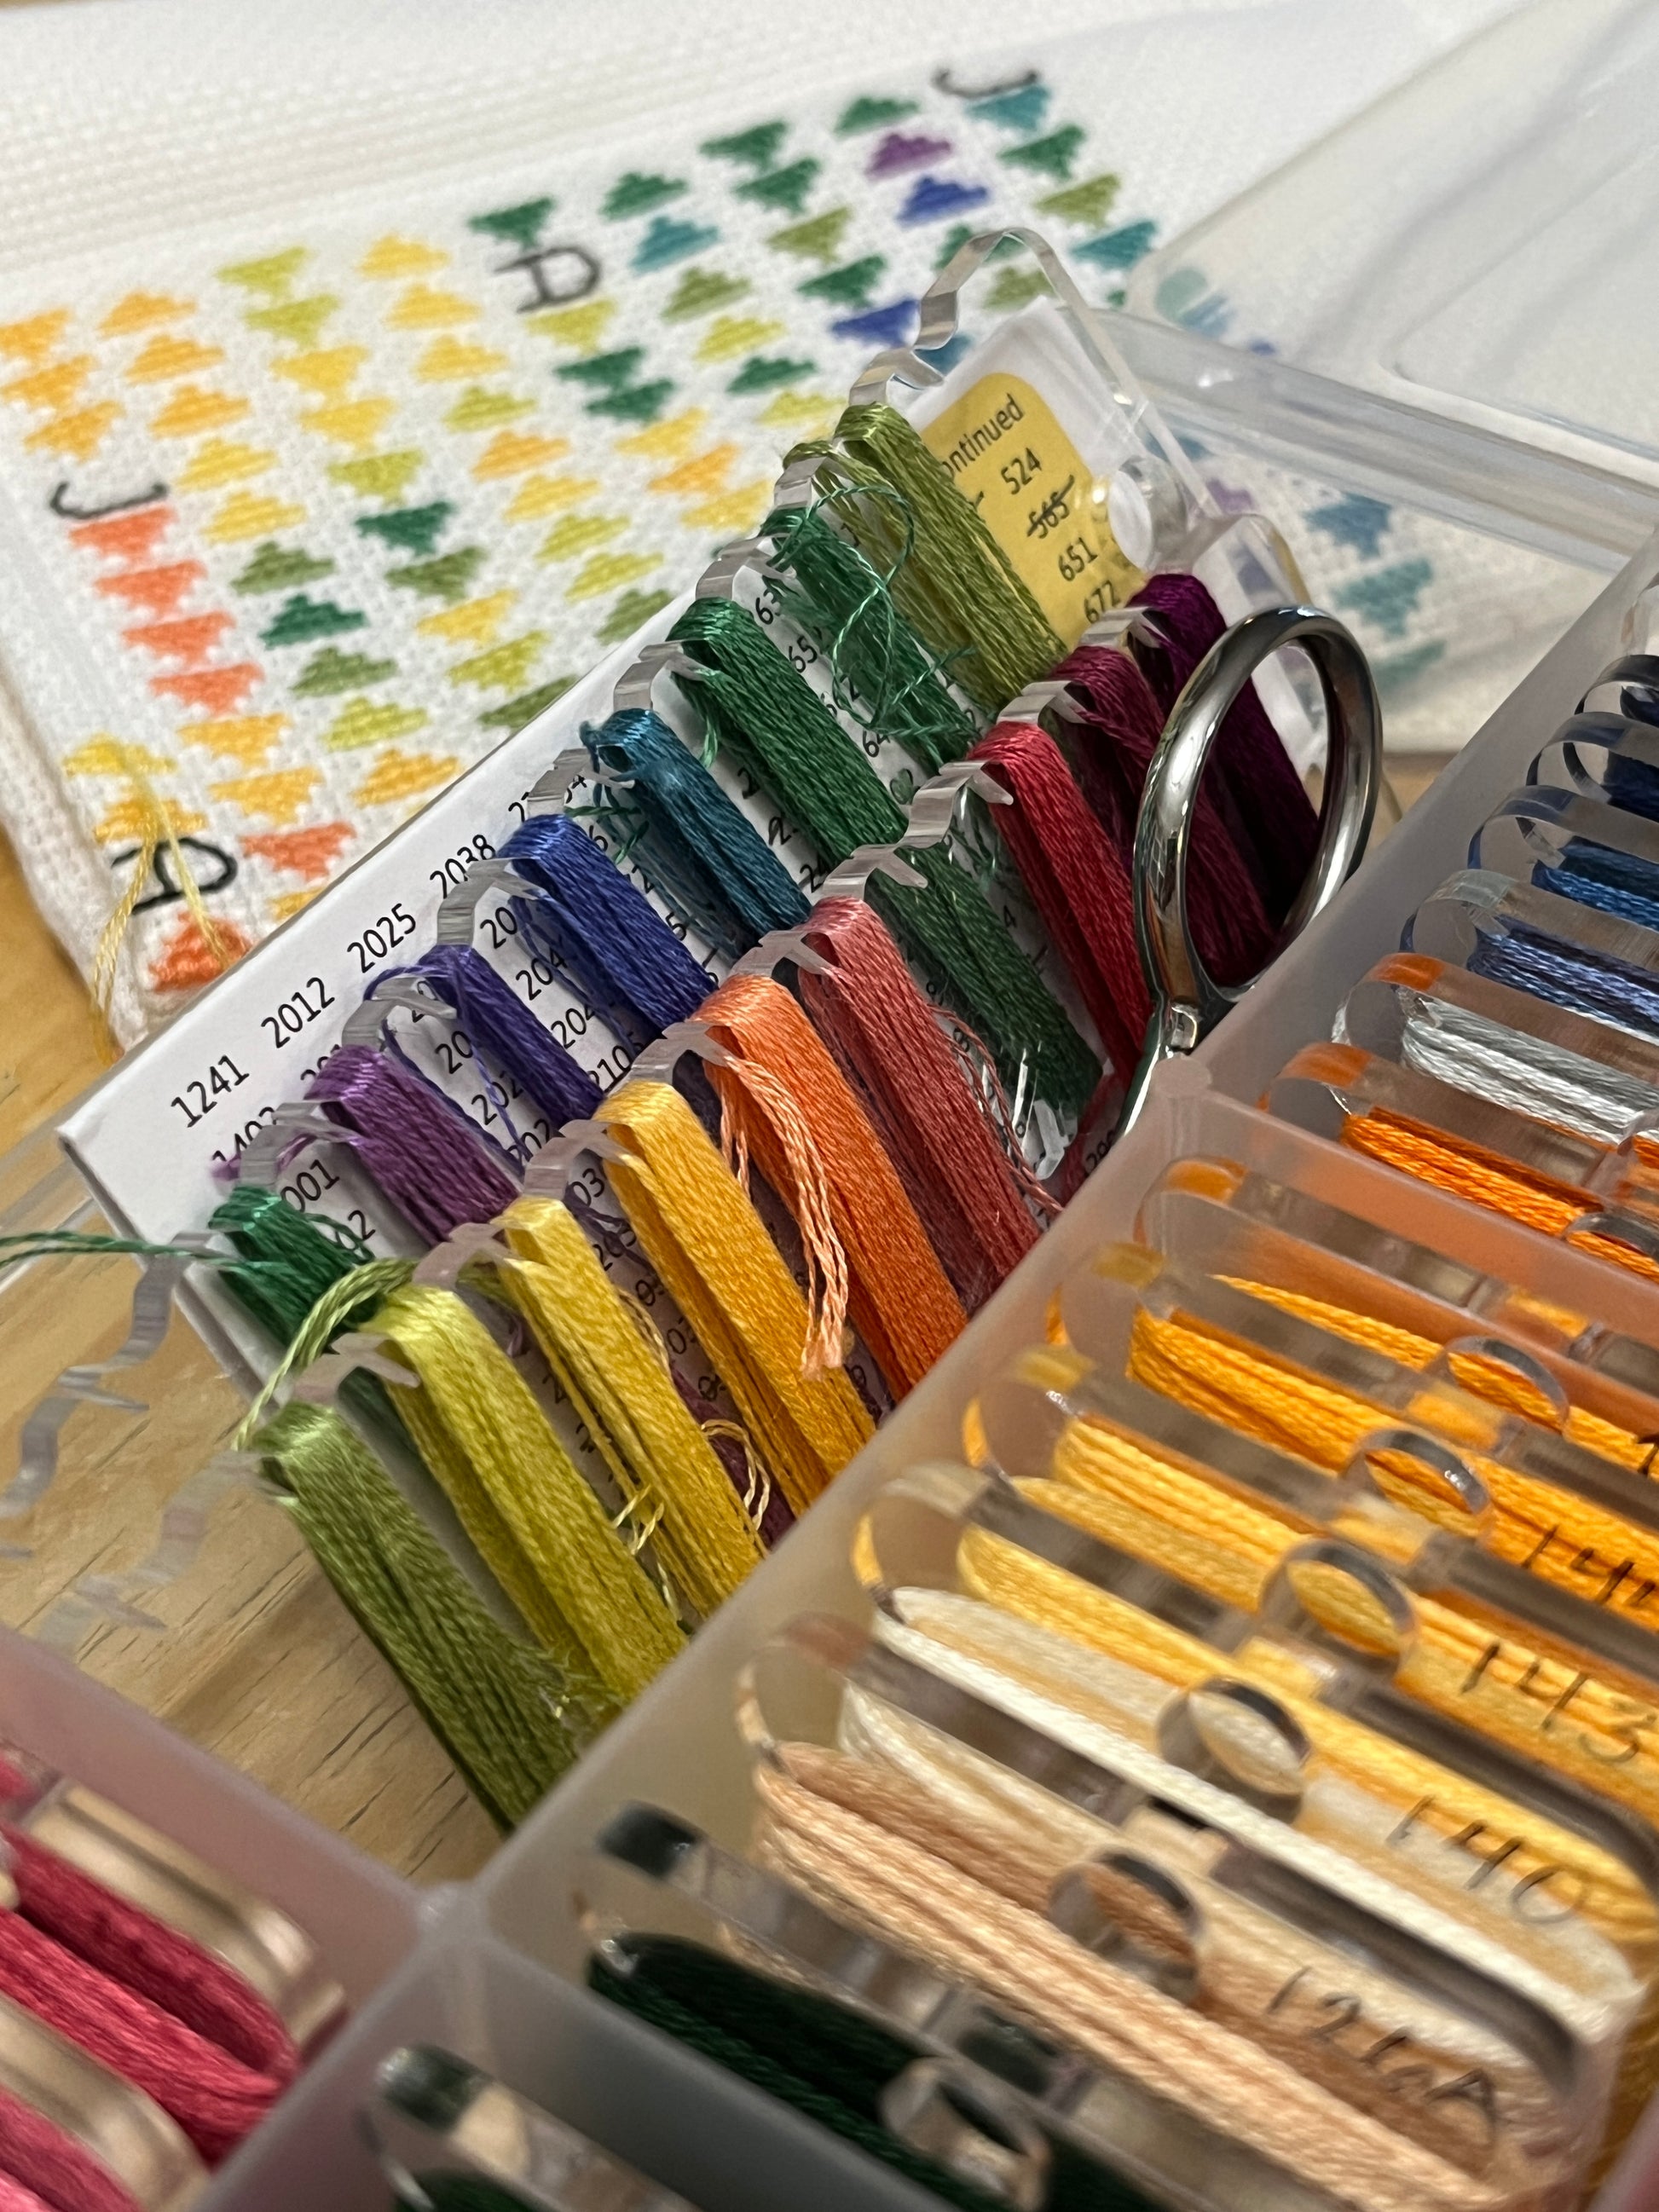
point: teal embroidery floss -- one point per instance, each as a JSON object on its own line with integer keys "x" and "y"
{"x": 752, "y": 700}
{"x": 710, "y": 858}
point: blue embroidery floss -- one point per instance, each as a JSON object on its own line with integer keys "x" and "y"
{"x": 1583, "y": 983}
{"x": 713, "y": 857}
{"x": 1595, "y": 875}
{"x": 502, "y": 1031}
{"x": 601, "y": 933}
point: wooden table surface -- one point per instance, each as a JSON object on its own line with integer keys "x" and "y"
{"x": 252, "y": 1655}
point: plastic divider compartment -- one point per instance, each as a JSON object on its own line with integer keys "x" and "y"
{"x": 721, "y": 2144}
{"x": 365, "y": 1922}
{"x": 132, "y": 1471}
{"x": 1297, "y": 1001}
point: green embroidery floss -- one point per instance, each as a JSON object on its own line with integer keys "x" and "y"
{"x": 959, "y": 589}
{"x": 752, "y": 701}
{"x": 886, "y": 679}
{"x": 497, "y": 1705}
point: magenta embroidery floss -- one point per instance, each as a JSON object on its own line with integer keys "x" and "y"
{"x": 1111, "y": 750}
{"x": 1268, "y": 815}
{"x": 422, "y": 1151}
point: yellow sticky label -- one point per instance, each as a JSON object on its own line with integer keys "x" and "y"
{"x": 1007, "y": 453}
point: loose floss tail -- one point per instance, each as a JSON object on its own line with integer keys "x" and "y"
{"x": 421, "y": 1151}
{"x": 958, "y": 589}
{"x": 479, "y": 1426}
{"x": 1111, "y": 750}
{"x": 625, "y": 1398}
{"x": 601, "y": 932}
{"x": 1077, "y": 880}
{"x": 1268, "y": 815}
{"x": 781, "y": 1073}
{"x": 962, "y": 1183}
{"x": 884, "y": 675}
{"x": 720, "y": 861}
{"x": 712, "y": 1253}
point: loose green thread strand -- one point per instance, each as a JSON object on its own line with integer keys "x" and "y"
{"x": 960, "y": 590}
{"x": 753, "y": 702}
{"x": 886, "y": 679}
{"x": 497, "y": 1706}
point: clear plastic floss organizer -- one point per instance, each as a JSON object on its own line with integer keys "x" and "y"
{"x": 490, "y": 1967}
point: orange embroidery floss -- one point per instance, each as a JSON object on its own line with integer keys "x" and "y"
{"x": 781, "y": 1095}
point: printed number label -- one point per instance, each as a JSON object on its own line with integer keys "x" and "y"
{"x": 298, "y": 1010}
{"x": 1018, "y": 472}
{"x": 454, "y": 870}
{"x": 381, "y": 938}
{"x": 202, "y": 1094}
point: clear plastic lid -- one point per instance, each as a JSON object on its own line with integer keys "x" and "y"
{"x": 1494, "y": 279}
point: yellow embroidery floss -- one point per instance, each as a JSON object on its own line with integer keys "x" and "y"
{"x": 662, "y": 1460}
{"x": 1486, "y": 1377}
{"x": 536, "y": 1523}
{"x": 711, "y": 1250}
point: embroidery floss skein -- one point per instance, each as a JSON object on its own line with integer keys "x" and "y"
{"x": 781, "y": 1095}
{"x": 816, "y": 2056}
{"x": 1076, "y": 878}
{"x": 504, "y": 1032}
{"x": 752, "y": 701}
{"x": 53, "y": 2170}
{"x": 1469, "y": 1170}
{"x": 1483, "y": 1377}
{"x": 1619, "y": 884}
{"x": 711, "y": 1251}
{"x": 601, "y": 932}
{"x": 1262, "y": 1976}
{"x": 884, "y": 677}
{"x": 957, "y": 588}
{"x": 1472, "y": 1052}
{"x": 1067, "y": 1638}
{"x": 145, "y": 1954}
{"x": 500, "y": 1708}
{"x": 907, "y": 1895}
{"x": 1583, "y": 981}
{"x": 723, "y": 862}
{"x": 624, "y": 1397}
{"x": 1541, "y": 1526}
{"x": 1110, "y": 749}
{"x": 1267, "y": 813}
{"x": 474, "y": 1415}
{"x": 214, "y": 2098}
{"x": 422, "y": 1151}
{"x": 962, "y": 1181}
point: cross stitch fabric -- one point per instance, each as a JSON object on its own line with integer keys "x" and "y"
{"x": 317, "y": 479}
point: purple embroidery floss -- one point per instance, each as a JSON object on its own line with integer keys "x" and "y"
{"x": 601, "y": 933}
{"x": 502, "y": 1030}
{"x": 1111, "y": 753}
{"x": 421, "y": 1151}
{"x": 1268, "y": 815}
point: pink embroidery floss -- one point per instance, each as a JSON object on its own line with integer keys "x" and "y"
{"x": 148, "y": 1957}
{"x": 214, "y": 2098}
{"x": 46, "y": 2168}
